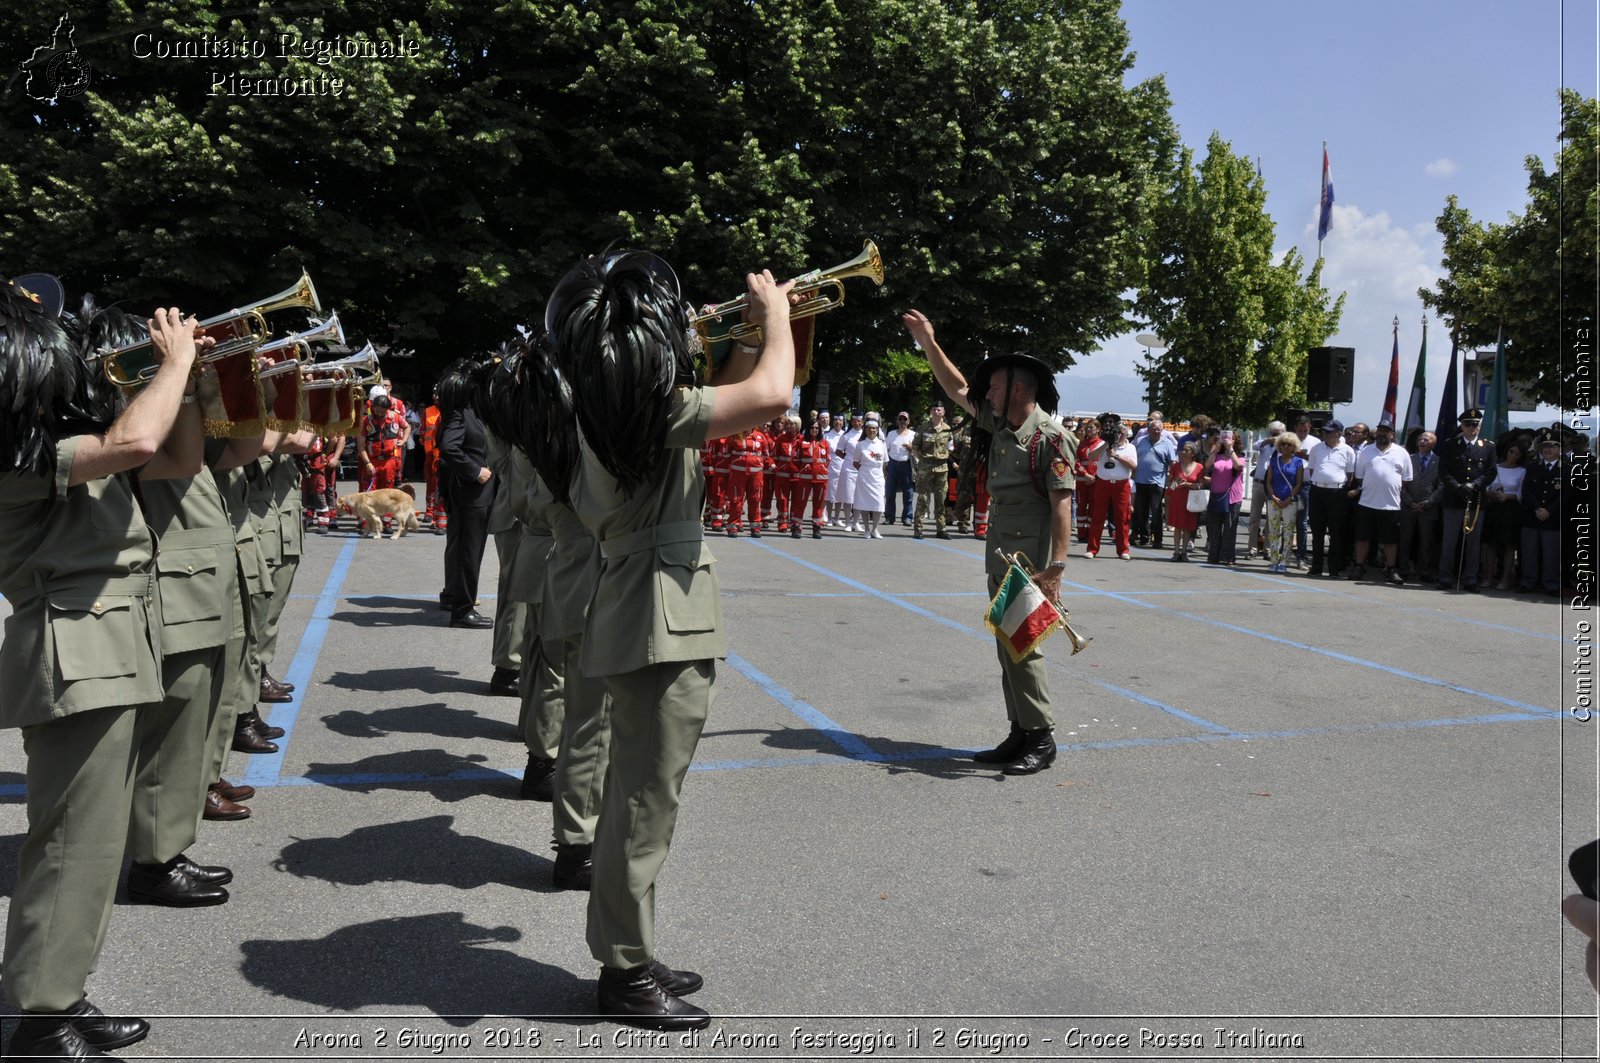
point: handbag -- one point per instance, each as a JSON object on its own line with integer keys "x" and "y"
{"x": 1199, "y": 499}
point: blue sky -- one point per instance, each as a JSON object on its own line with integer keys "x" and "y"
{"x": 1417, "y": 99}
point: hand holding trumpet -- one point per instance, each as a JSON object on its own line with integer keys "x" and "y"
{"x": 176, "y": 338}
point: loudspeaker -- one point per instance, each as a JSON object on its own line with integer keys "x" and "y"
{"x": 1331, "y": 374}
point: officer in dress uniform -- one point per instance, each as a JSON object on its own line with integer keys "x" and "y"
{"x": 654, "y": 628}
{"x": 932, "y": 447}
{"x": 1030, "y": 486}
{"x": 81, "y": 661}
{"x": 1466, "y": 467}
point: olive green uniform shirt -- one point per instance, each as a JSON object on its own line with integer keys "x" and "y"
{"x": 656, "y": 599}
{"x": 196, "y": 562}
{"x": 1037, "y": 455}
{"x": 77, "y": 565}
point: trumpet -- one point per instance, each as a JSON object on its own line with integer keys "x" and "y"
{"x": 826, "y": 288}
{"x": 294, "y": 352}
{"x": 360, "y": 368}
{"x": 1079, "y": 641}
{"x": 133, "y": 366}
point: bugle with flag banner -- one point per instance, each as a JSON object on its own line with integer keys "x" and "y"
{"x": 133, "y": 366}
{"x": 719, "y": 327}
{"x": 1020, "y": 616}
{"x": 284, "y": 362}
{"x": 333, "y": 390}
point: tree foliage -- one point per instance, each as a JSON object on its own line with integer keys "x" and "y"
{"x": 990, "y": 147}
{"x": 1536, "y": 274}
{"x": 1237, "y": 324}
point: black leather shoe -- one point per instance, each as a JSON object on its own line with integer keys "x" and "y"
{"x": 474, "y": 619}
{"x": 101, "y": 1030}
{"x": 169, "y": 885}
{"x": 538, "y": 779}
{"x": 1038, "y": 753}
{"x": 504, "y": 682}
{"x": 262, "y": 727}
{"x": 275, "y": 681}
{"x": 574, "y": 867}
{"x": 1006, "y": 751}
{"x": 678, "y": 983}
{"x": 206, "y": 876}
{"x": 50, "y": 1037}
{"x": 633, "y": 997}
{"x": 272, "y": 694}
{"x": 247, "y": 739}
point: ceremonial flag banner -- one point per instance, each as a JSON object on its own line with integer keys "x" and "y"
{"x": 1497, "y": 411}
{"x": 1021, "y": 616}
{"x": 1445, "y": 426}
{"x": 1392, "y": 395}
{"x": 1419, "y": 387}
{"x": 1325, "y": 218}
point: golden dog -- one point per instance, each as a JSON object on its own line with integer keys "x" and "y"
{"x": 370, "y": 507}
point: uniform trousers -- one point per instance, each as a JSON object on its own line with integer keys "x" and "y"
{"x": 932, "y": 482}
{"x": 1109, "y": 498}
{"x": 1452, "y": 517}
{"x": 585, "y": 749}
{"x": 778, "y": 485}
{"x": 169, "y": 791}
{"x": 510, "y": 617}
{"x": 657, "y": 714}
{"x": 1023, "y": 682}
{"x": 385, "y": 473}
{"x": 282, "y": 582}
{"x": 80, "y": 777}
{"x": 542, "y": 686}
{"x": 1541, "y": 559}
{"x": 801, "y": 491}
{"x": 435, "y": 505}
{"x": 237, "y": 695}
{"x": 744, "y": 493}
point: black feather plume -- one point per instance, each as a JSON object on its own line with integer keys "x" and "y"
{"x": 620, "y": 336}
{"x": 36, "y": 369}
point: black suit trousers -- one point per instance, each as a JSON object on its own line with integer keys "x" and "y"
{"x": 464, "y": 541}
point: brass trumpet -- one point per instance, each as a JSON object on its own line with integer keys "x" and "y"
{"x": 292, "y": 352}
{"x": 827, "y": 284}
{"x": 360, "y": 368}
{"x": 133, "y": 366}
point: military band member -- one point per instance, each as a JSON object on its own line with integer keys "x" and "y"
{"x": 81, "y": 660}
{"x": 282, "y": 482}
{"x": 505, "y": 524}
{"x": 1466, "y": 466}
{"x": 654, "y": 629}
{"x": 932, "y": 447}
{"x": 1031, "y": 485}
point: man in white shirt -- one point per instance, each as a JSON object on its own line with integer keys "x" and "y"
{"x": 1114, "y": 463}
{"x": 1332, "y": 467}
{"x": 897, "y": 474}
{"x": 1255, "y": 535}
{"x": 1381, "y": 469}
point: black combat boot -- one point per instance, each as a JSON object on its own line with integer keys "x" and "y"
{"x": 1006, "y": 751}
{"x": 574, "y": 867}
{"x": 1038, "y": 753}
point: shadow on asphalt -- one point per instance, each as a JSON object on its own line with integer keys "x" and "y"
{"x": 894, "y": 756}
{"x": 428, "y": 852}
{"x": 418, "y": 771}
{"x": 376, "y": 965}
{"x": 10, "y": 846}
{"x": 9, "y": 779}
{"x": 434, "y": 718}
{"x": 424, "y": 679}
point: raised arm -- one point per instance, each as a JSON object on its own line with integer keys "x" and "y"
{"x": 944, "y": 370}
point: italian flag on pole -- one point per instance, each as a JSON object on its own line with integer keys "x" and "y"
{"x": 1020, "y": 616}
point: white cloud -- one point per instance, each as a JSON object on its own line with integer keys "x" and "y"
{"x": 1441, "y": 168}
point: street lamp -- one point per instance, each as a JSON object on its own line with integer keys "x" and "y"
{"x": 1150, "y": 342}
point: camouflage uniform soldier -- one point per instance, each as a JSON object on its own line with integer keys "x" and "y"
{"x": 932, "y": 447}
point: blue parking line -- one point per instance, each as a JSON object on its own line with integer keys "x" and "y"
{"x": 986, "y": 637}
{"x": 852, "y": 745}
{"x": 265, "y": 768}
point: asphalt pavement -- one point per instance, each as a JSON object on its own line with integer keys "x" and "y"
{"x": 1291, "y": 818}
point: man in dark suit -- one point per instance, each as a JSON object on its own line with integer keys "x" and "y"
{"x": 1541, "y": 518}
{"x": 1466, "y": 467}
{"x": 467, "y": 485}
{"x": 1419, "y": 512}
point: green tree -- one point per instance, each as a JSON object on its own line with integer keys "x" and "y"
{"x": 990, "y": 147}
{"x": 1238, "y": 324}
{"x": 1537, "y": 274}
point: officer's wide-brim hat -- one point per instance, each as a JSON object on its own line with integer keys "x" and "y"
{"x": 1047, "y": 396}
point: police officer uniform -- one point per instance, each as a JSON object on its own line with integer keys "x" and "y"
{"x": 1026, "y": 463}
{"x": 932, "y": 447}
{"x": 1466, "y": 468}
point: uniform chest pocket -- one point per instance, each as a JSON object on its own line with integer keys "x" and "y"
{"x": 191, "y": 585}
{"x": 684, "y": 584}
{"x": 93, "y": 638}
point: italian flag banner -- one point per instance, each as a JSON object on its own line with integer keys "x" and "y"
{"x": 1021, "y": 616}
